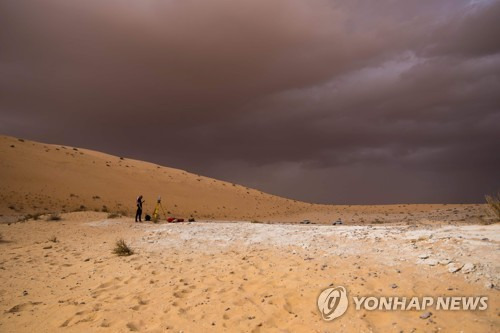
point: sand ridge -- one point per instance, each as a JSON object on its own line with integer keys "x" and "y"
{"x": 38, "y": 178}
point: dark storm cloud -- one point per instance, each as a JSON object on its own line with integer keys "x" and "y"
{"x": 331, "y": 101}
{"x": 470, "y": 33}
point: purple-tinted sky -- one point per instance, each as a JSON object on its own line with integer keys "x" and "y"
{"x": 333, "y": 101}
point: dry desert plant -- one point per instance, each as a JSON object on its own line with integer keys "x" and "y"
{"x": 494, "y": 203}
{"x": 113, "y": 215}
{"x": 122, "y": 249}
{"x": 54, "y": 217}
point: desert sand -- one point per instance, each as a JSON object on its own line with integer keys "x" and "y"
{"x": 245, "y": 265}
{"x": 237, "y": 276}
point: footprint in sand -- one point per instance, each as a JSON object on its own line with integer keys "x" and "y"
{"x": 132, "y": 327}
{"x": 140, "y": 302}
{"x": 178, "y": 294}
{"x": 22, "y": 307}
{"x": 105, "y": 323}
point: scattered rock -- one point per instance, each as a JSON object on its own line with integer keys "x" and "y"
{"x": 47, "y": 247}
{"x": 444, "y": 261}
{"x": 489, "y": 285}
{"x": 432, "y": 262}
{"x": 425, "y": 315}
{"x": 454, "y": 267}
{"x": 394, "y": 286}
{"x": 468, "y": 268}
{"x": 25, "y": 293}
{"x": 424, "y": 256}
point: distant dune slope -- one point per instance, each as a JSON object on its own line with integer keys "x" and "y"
{"x": 41, "y": 178}
{"x": 37, "y": 177}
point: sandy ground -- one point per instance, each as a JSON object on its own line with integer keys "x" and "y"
{"x": 238, "y": 277}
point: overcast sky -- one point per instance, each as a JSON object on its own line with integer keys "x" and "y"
{"x": 331, "y": 101}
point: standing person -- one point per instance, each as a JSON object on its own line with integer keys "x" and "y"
{"x": 138, "y": 215}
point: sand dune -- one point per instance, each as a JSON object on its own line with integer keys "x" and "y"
{"x": 41, "y": 178}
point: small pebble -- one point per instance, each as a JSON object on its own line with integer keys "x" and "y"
{"x": 454, "y": 267}
{"x": 468, "y": 268}
{"x": 489, "y": 285}
{"x": 425, "y": 315}
{"x": 432, "y": 262}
